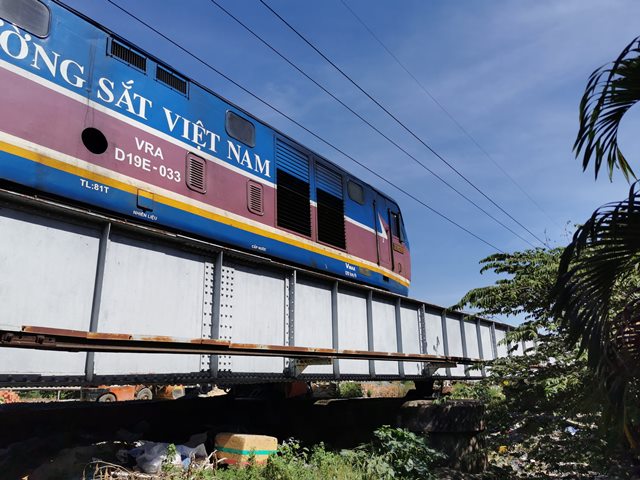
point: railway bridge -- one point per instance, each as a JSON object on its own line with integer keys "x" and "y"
{"x": 89, "y": 298}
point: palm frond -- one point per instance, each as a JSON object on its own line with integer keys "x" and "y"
{"x": 625, "y": 338}
{"x": 611, "y": 91}
{"x": 603, "y": 252}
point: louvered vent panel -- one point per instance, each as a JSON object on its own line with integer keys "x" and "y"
{"x": 292, "y": 161}
{"x": 293, "y": 195}
{"x": 255, "y": 201}
{"x": 294, "y": 211}
{"x": 171, "y": 79}
{"x": 328, "y": 180}
{"x": 330, "y": 206}
{"x": 128, "y": 55}
{"x": 196, "y": 173}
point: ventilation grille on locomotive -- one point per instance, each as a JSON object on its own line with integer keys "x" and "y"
{"x": 293, "y": 204}
{"x": 255, "y": 200}
{"x": 128, "y": 55}
{"x": 330, "y": 206}
{"x": 196, "y": 173}
{"x": 171, "y": 79}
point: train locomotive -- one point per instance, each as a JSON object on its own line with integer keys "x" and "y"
{"x": 89, "y": 118}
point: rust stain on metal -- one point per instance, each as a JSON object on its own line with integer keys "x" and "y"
{"x": 159, "y": 338}
{"x": 109, "y": 336}
{"x": 211, "y": 341}
{"x": 75, "y": 340}
{"x": 293, "y": 349}
{"x": 54, "y": 331}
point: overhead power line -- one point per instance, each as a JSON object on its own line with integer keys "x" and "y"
{"x": 295, "y": 122}
{"x": 363, "y": 119}
{"x": 399, "y": 122}
{"x": 447, "y": 113}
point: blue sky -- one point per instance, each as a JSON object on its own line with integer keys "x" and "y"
{"x": 510, "y": 71}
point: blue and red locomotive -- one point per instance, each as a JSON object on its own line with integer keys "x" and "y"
{"x": 88, "y": 117}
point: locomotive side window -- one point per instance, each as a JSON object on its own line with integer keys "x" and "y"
{"x": 396, "y": 226}
{"x": 356, "y": 192}
{"x": 330, "y": 206}
{"x": 30, "y": 15}
{"x": 293, "y": 204}
{"x": 240, "y": 129}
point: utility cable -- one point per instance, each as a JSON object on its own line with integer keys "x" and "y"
{"x": 447, "y": 113}
{"x": 295, "y": 122}
{"x": 398, "y": 146}
{"x": 425, "y": 144}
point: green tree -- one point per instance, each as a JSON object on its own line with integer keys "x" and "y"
{"x": 532, "y": 274}
{"x": 551, "y": 408}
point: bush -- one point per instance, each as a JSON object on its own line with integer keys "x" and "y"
{"x": 407, "y": 453}
{"x": 396, "y": 453}
{"x": 482, "y": 391}
{"x": 349, "y": 390}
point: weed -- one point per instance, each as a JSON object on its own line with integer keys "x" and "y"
{"x": 405, "y": 454}
{"x": 349, "y": 390}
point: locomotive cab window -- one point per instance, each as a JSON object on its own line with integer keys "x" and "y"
{"x": 240, "y": 129}
{"x": 396, "y": 226}
{"x": 30, "y": 15}
{"x": 356, "y": 192}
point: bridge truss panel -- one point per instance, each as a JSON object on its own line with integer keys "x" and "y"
{"x": 313, "y": 318}
{"x": 253, "y": 305}
{"x": 47, "y": 275}
{"x": 149, "y": 290}
{"x": 411, "y": 336}
{"x": 385, "y": 333}
{"x": 353, "y": 333}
